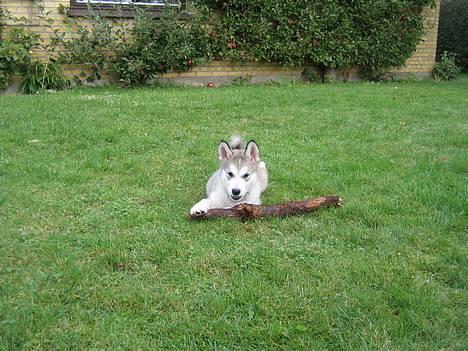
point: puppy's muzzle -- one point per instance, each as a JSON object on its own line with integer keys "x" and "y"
{"x": 235, "y": 194}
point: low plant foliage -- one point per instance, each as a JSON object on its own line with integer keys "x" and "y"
{"x": 373, "y": 35}
{"x": 94, "y": 42}
{"x": 137, "y": 53}
{"x": 15, "y": 54}
{"x": 446, "y": 68}
{"x": 453, "y": 31}
{"x": 43, "y": 76}
{"x": 168, "y": 44}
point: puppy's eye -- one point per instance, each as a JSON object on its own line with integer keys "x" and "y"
{"x": 245, "y": 175}
{"x": 230, "y": 174}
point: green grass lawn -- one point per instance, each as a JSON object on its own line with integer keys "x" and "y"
{"x": 96, "y": 251}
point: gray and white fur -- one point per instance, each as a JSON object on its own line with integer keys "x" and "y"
{"x": 241, "y": 177}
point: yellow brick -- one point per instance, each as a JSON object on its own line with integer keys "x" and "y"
{"x": 187, "y": 74}
{"x": 219, "y": 73}
{"x": 170, "y": 75}
{"x": 198, "y": 68}
{"x": 236, "y": 68}
{"x": 204, "y": 74}
{"x": 234, "y": 73}
{"x": 266, "y": 73}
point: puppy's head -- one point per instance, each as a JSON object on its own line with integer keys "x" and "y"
{"x": 238, "y": 168}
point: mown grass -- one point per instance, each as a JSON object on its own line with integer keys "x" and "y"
{"x": 96, "y": 252}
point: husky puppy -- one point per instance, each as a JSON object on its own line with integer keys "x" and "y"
{"x": 241, "y": 177}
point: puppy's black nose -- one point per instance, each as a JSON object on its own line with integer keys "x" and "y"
{"x": 235, "y": 191}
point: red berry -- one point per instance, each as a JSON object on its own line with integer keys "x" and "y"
{"x": 210, "y": 85}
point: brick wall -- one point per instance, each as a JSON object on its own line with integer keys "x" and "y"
{"x": 29, "y": 9}
{"x": 220, "y": 72}
{"x": 423, "y": 60}
{"x": 419, "y": 65}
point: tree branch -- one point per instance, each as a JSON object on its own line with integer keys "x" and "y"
{"x": 248, "y": 211}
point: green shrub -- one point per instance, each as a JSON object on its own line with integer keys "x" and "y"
{"x": 373, "y": 34}
{"x": 3, "y": 14}
{"x": 167, "y": 44}
{"x": 453, "y": 30}
{"x": 43, "y": 76}
{"x": 446, "y": 68}
{"x": 138, "y": 52}
{"x": 14, "y": 54}
{"x": 94, "y": 44}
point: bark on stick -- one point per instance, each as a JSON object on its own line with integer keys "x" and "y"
{"x": 248, "y": 211}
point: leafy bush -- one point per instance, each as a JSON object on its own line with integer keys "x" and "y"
{"x": 43, "y": 76}
{"x": 14, "y": 54}
{"x": 373, "y": 34}
{"x": 154, "y": 45}
{"x": 94, "y": 43}
{"x": 157, "y": 46}
{"x": 453, "y": 30}
{"x": 446, "y": 68}
{"x": 3, "y": 14}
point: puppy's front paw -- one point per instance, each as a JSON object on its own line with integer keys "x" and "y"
{"x": 200, "y": 208}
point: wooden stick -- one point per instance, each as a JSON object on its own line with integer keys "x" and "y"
{"x": 248, "y": 211}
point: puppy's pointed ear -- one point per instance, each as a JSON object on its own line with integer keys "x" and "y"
{"x": 224, "y": 151}
{"x": 252, "y": 151}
